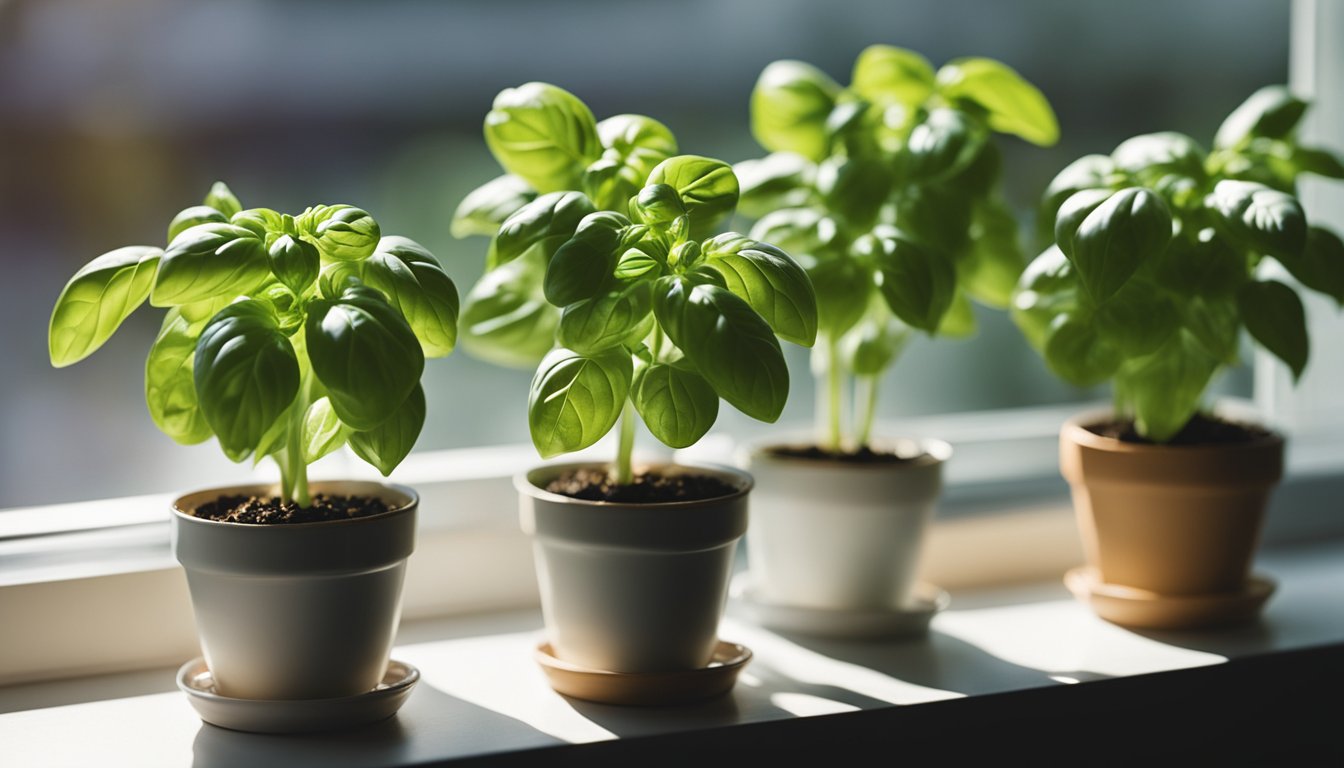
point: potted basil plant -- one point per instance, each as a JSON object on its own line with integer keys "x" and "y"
{"x": 658, "y": 319}
{"x": 1161, "y": 256}
{"x": 285, "y": 337}
{"x": 888, "y": 192}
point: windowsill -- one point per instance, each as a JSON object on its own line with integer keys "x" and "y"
{"x": 994, "y": 657}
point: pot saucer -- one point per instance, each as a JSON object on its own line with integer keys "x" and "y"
{"x": 645, "y": 688}
{"x": 296, "y": 716}
{"x": 1144, "y": 609}
{"x": 909, "y": 620}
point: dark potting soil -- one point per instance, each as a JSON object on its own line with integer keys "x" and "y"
{"x": 274, "y": 511}
{"x": 592, "y": 484}
{"x": 1203, "y": 429}
{"x": 864, "y": 455}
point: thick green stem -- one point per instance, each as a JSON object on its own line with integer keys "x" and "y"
{"x": 293, "y": 469}
{"x": 865, "y": 397}
{"x": 625, "y": 449}
{"x": 830, "y": 393}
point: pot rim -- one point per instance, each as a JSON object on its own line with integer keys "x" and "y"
{"x": 523, "y": 484}
{"x": 1074, "y": 429}
{"x": 412, "y": 501}
{"x": 933, "y": 451}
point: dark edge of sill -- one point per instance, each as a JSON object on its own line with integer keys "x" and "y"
{"x": 1258, "y": 710}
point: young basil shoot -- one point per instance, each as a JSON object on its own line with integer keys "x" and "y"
{"x": 887, "y": 191}
{"x": 285, "y": 336}
{"x": 604, "y": 265}
{"x": 1159, "y": 259}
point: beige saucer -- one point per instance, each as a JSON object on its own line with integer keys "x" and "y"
{"x": 275, "y": 716}
{"x": 647, "y": 688}
{"x": 909, "y": 620}
{"x": 1142, "y": 609}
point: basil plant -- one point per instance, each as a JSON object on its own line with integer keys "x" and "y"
{"x": 1159, "y": 258}
{"x": 887, "y": 191}
{"x": 285, "y": 336}
{"x": 605, "y": 271}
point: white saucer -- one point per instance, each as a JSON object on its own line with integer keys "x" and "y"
{"x": 910, "y": 620}
{"x": 273, "y": 716}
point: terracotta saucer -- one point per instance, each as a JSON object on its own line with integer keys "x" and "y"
{"x": 646, "y": 688}
{"x": 296, "y": 716}
{"x": 1143, "y": 609}
{"x": 909, "y": 620}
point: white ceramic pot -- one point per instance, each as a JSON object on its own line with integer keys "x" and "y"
{"x": 297, "y": 611}
{"x": 633, "y": 587}
{"x": 839, "y": 535}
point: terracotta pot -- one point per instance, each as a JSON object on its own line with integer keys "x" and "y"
{"x": 840, "y": 535}
{"x": 1170, "y": 520}
{"x": 633, "y": 587}
{"x": 301, "y": 611}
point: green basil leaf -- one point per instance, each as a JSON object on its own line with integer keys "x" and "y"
{"x": 1077, "y": 351}
{"x": 770, "y": 281}
{"x": 884, "y": 74}
{"x": 995, "y": 260}
{"x": 1073, "y": 211}
{"x": 731, "y": 345}
{"x": 345, "y": 233}
{"x": 506, "y": 319}
{"x": 246, "y": 375}
{"x": 1320, "y": 266}
{"x": 323, "y": 431}
{"x": 917, "y": 283}
{"x": 980, "y": 177}
{"x": 1047, "y": 288}
{"x": 943, "y": 144}
{"x": 1203, "y": 265}
{"x": 1014, "y": 105}
{"x": 854, "y": 189}
{"x": 804, "y": 233}
{"x": 838, "y": 283}
{"x": 222, "y": 199}
{"x": 632, "y": 146}
{"x": 170, "y": 387}
{"x": 364, "y": 353}
{"x": 1216, "y": 325}
{"x": 486, "y": 207}
{"x": 1267, "y": 220}
{"x": 413, "y": 282}
{"x": 937, "y": 215}
{"x": 634, "y": 263}
{"x": 1274, "y": 316}
{"x": 576, "y": 399}
{"x": 959, "y": 320}
{"x": 261, "y": 222}
{"x": 190, "y": 217}
{"x": 542, "y": 134}
{"x": 1318, "y": 161}
{"x": 209, "y": 260}
{"x": 707, "y": 188}
{"x": 1148, "y": 157}
{"x": 97, "y": 299}
{"x": 777, "y": 181}
{"x": 1087, "y": 172}
{"x": 658, "y": 204}
{"x": 676, "y": 403}
{"x": 1138, "y": 319}
{"x": 601, "y": 322}
{"x": 1165, "y": 388}
{"x": 542, "y": 225}
{"x": 294, "y": 262}
{"x": 1272, "y": 111}
{"x": 386, "y": 445}
{"x": 789, "y": 106}
{"x": 1115, "y": 238}
{"x": 582, "y": 267}
{"x": 873, "y": 344}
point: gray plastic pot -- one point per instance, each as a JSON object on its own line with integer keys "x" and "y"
{"x": 297, "y": 611}
{"x": 633, "y": 587}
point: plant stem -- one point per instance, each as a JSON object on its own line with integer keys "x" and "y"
{"x": 626, "y": 447}
{"x": 835, "y": 385}
{"x": 829, "y": 406}
{"x": 865, "y": 397}
{"x": 295, "y": 486}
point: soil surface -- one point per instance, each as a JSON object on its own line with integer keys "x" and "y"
{"x": 593, "y": 484}
{"x": 274, "y": 511}
{"x": 1203, "y": 429}
{"x": 864, "y": 455}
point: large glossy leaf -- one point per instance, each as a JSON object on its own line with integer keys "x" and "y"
{"x": 506, "y": 318}
{"x": 413, "y": 282}
{"x": 387, "y": 444}
{"x": 839, "y": 283}
{"x": 854, "y": 189}
{"x": 246, "y": 375}
{"x": 1047, "y": 288}
{"x": 632, "y": 146}
{"x": 675, "y": 402}
{"x": 1203, "y": 265}
{"x": 1115, "y": 238}
{"x": 1014, "y": 105}
{"x": 885, "y": 74}
{"x": 294, "y": 262}
{"x": 707, "y": 188}
{"x": 190, "y": 217}
{"x": 1321, "y": 264}
{"x": 1165, "y": 388}
{"x": 222, "y": 199}
{"x": 486, "y": 207}
{"x": 323, "y": 431}
{"x": 1264, "y": 219}
{"x": 542, "y": 225}
{"x": 727, "y": 342}
{"x": 1138, "y": 319}
{"x": 1086, "y": 172}
{"x": 789, "y": 107}
{"x": 1274, "y": 315}
{"x": 1272, "y": 111}
{"x": 582, "y": 267}
{"x": 543, "y": 134}
{"x": 1077, "y": 352}
{"x": 1150, "y": 156}
{"x": 916, "y": 282}
{"x": 344, "y": 233}
{"x": 605, "y": 321}
{"x": 943, "y": 144}
{"x": 576, "y": 399}
{"x": 770, "y": 281}
{"x": 209, "y": 260}
{"x": 365, "y": 354}
{"x": 170, "y": 386}
{"x": 97, "y": 299}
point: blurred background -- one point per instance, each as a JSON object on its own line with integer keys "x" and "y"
{"x": 115, "y": 114}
